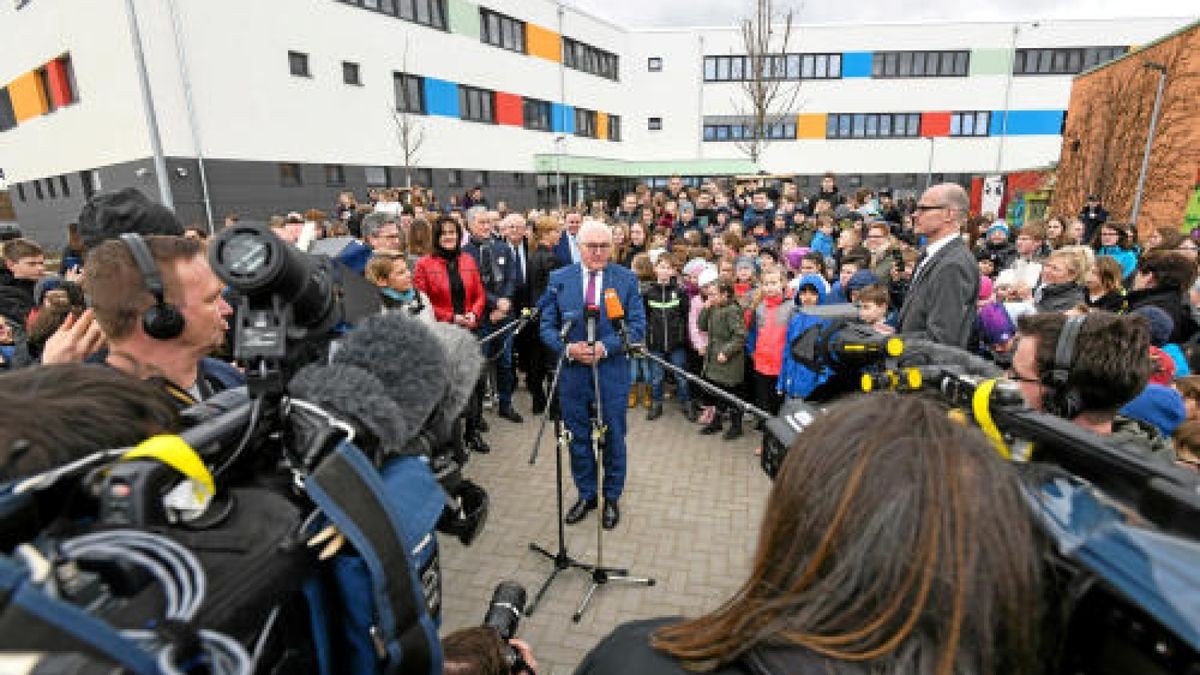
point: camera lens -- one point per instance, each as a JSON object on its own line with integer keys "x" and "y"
{"x": 504, "y": 612}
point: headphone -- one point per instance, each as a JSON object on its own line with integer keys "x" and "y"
{"x": 161, "y": 321}
{"x": 1059, "y": 398}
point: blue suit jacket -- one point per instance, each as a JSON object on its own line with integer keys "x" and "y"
{"x": 563, "y": 301}
{"x": 562, "y": 250}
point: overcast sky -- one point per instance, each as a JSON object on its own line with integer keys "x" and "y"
{"x": 661, "y": 13}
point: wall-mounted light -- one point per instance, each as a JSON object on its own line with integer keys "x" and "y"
{"x": 142, "y": 172}
{"x": 181, "y": 171}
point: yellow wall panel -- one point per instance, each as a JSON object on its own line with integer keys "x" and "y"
{"x": 601, "y": 125}
{"x": 811, "y": 125}
{"x": 543, "y": 42}
{"x": 28, "y": 97}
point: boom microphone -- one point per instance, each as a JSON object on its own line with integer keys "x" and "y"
{"x": 616, "y": 314}
{"x": 406, "y": 357}
{"x": 351, "y": 392}
{"x": 922, "y": 352}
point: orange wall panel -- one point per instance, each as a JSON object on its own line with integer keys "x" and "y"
{"x": 510, "y": 109}
{"x": 935, "y": 124}
{"x": 28, "y": 98}
{"x": 543, "y": 42}
{"x": 601, "y": 125}
{"x": 811, "y": 125}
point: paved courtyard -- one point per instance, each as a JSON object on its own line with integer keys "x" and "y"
{"x": 689, "y": 519}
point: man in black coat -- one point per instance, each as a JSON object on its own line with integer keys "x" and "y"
{"x": 1093, "y": 215}
{"x": 940, "y": 304}
{"x": 24, "y": 264}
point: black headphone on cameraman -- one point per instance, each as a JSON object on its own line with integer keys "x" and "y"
{"x": 162, "y": 320}
{"x": 1059, "y": 398}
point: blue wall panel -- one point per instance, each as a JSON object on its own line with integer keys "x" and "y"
{"x": 562, "y": 118}
{"x": 1027, "y": 123}
{"x": 856, "y": 64}
{"x": 441, "y": 97}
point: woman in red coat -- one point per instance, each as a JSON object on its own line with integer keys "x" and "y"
{"x": 451, "y": 278}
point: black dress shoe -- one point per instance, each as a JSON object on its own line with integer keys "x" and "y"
{"x": 510, "y": 414}
{"x": 580, "y": 510}
{"x": 655, "y": 411}
{"x": 611, "y": 516}
{"x": 475, "y": 442}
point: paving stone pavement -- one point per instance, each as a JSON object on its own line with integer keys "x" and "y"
{"x": 689, "y": 519}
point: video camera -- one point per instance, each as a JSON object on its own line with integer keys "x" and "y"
{"x": 342, "y": 444}
{"x": 1123, "y": 529}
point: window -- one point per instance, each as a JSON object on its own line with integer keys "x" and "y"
{"x": 501, "y": 31}
{"x": 454, "y": 178}
{"x": 873, "y": 125}
{"x": 298, "y": 64}
{"x": 736, "y": 131}
{"x": 590, "y": 59}
{"x": 585, "y": 123}
{"x": 409, "y": 93}
{"x": 50, "y": 189}
{"x": 335, "y": 174}
{"x": 537, "y": 115}
{"x": 654, "y": 124}
{"x": 476, "y": 105}
{"x": 481, "y": 179}
{"x": 654, "y": 64}
{"x": 351, "y": 74}
{"x": 37, "y": 190}
{"x": 64, "y": 185}
{"x": 21, "y": 191}
{"x": 289, "y": 175}
{"x": 774, "y": 67}
{"x": 518, "y": 179}
{"x": 91, "y": 182}
{"x": 423, "y": 177}
{"x": 614, "y": 127}
{"x": 973, "y": 123}
{"x": 378, "y": 176}
{"x": 430, "y": 13}
{"x": 921, "y": 64}
{"x": 1063, "y": 60}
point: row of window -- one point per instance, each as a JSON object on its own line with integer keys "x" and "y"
{"x": 58, "y": 186}
{"x": 430, "y": 13}
{"x": 291, "y": 174}
{"x": 501, "y": 31}
{"x": 589, "y": 59}
{"x": 776, "y": 67}
{"x": 738, "y": 132}
{"x": 921, "y": 64}
{"x": 1062, "y": 61}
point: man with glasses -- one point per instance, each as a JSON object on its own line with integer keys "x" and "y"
{"x": 381, "y": 232}
{"x": 569, "y": 294}
{"x": 940, "y": 304}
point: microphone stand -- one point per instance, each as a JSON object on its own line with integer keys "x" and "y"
{"x": 640, "y": 350}
{"x": 562, "y": 559}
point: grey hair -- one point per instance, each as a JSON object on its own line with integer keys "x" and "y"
{"x": 374, "y": 222}
{"x": 473, "y": 213}
{"x": 590, "y": 225}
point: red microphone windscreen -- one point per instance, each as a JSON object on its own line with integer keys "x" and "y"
{"x": 612, "y": 304}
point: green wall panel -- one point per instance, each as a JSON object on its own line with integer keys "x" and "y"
{"x": 464, "y": 18}
{"x": 990, "y": 61}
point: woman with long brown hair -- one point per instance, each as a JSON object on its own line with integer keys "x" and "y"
{"x": 895, "y": 541}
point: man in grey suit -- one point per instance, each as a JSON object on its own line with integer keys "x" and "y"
{"x": 940, "y": 305}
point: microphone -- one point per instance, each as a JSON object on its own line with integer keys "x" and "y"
{"x": 592, "y": 313}
{"x": 358, "y": 397}
{"x": 567, "y": 326}
{"x": 921, "y": 352}
{"x": 616, "y": 314}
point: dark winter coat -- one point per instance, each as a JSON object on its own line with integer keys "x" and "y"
{"x": 1173, "y": 301}
{"x": 666, "y": 316}
{"x": 16, "y": 296}
{"x": 1059, "y": 297}
{"x": 726, "y": 328}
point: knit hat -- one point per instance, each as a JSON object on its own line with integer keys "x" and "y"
{"x": 985, "y": 288}
{"x": 1160, "y": 323}
{"x": 861, "y": 279}
{"x": 109, "y": 214}
{"x": 995, "y": 325}
{"x": 1158, "y": 405}
{"x": 1162, "y": 367}
{"x": 707, "y": 276}
{"x": 998, "y": 225}
{"x": 695, "y": 266}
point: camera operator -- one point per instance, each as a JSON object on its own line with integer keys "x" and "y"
{"x": 1107, "y": 364}
{"x": 894, "y": 541}
{"x": 163, "y": 315}
{"x": 480, "y": 650}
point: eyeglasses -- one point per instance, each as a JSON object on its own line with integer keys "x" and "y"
{"x": 1012, "y": 375}
{"x": 920, "y": 208}
{"x": 596, "y": 247}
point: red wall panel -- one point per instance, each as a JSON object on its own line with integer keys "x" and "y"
{"x": 510, "y": 109}
{"x": 935, "y": 124}
{"x": 60, "y": 83}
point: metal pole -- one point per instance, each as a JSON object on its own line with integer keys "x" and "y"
{"x": 1162, "y": 82}
{"x": 929, "y": 169}
{"x": 191, "y": 108}
{"x": 1012, "y": 61}
{"x": 160, "y": 162}
{"x": 562, "y": 107}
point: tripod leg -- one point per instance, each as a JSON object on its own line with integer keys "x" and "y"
{"x": 587, "y": 597}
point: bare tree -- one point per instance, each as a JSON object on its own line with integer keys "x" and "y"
{"x": 1106, "y": 132}
{"x": 409, "y": 129}
{"x": 767, "y": 97}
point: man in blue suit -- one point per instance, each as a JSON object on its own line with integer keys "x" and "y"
{"x": 567, "y": 249}
{"x": 570, "y": 291}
